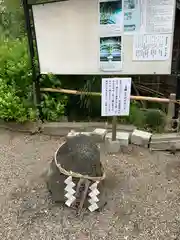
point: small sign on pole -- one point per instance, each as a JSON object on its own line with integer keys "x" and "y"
{"x": 115, "y": 99}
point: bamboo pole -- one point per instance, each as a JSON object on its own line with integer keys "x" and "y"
{"x": 137, "y": 98}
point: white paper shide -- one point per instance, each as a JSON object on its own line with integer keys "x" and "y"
{"x": 115, "y": 99}
{"x": 93, "y": 197}
{"x": 69, "y": 191}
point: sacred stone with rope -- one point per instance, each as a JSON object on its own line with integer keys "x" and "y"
{"x": 76, "y": 175}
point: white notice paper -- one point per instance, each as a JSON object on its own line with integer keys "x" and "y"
{"x": 159, "y": 16}
{"x": 115, "y": 99}
{"x": 151, "y": 47}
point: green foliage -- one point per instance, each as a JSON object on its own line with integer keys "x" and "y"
{"x": 16, "y": 87}
{"x": 52, "y": 109}
{"x": 136, "y": 115}
{"x": 15, "y": 68}
{"x": 12, "y": 107}
{"x": 16, "y": 92}
{"x": 154, "y": 119}
{"x": 11, "y": 19}
{"x": 146, "y": 119}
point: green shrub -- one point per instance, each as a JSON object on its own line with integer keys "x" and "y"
{"x": 154, "y": 119}
{"x": 146, "y": 119}
{"x": 52, "y": 109}
{"x": 136, "y": 115}
{"x": 12, "y": 107}
{"x": 16, "y": 91}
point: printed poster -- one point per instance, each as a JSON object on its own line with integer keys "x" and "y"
{"x": 111, "y": 17}
{"x": 132, "y": 16}
{"x": 111, "y": 53}
{"x": 110, "y": 30}
{"x": 159, "y": 16}
{"x": 151, "y": 47}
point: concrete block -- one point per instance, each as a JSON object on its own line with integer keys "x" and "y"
{"x": 165, "y": 145}
{"x": 72, "y": 133}
{"x": 112, "y": 146}
{"x": 165, "y": 137}
{"x": 167, "y": 141}
{"x": 140, "y": 138}
{"x": 122, "y": 137}
{"x": 99, "y": 134}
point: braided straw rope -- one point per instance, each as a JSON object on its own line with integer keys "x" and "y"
{"x": 74, "y": 174}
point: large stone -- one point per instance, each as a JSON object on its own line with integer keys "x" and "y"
{"x": 141, "y": 138}
{"x": 122, "y": 137}
{"x": 112, "y": 146}
{"x": 99, "y": 134}
{"x": 78, "y": 154}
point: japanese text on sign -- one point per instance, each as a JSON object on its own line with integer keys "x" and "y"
{"x": 115, "y": 100}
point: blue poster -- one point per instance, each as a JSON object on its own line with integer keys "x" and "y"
{"x": 132, "y": 16}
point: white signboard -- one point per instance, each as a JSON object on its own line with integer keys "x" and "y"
{"x": 115, "y": 99}
{"x": 98, "y": 36}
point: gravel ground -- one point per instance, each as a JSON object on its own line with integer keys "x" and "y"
{"x": 143, "y": 199}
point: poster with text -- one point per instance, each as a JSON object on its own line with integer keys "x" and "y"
{"x": 151, "y": 47}
{"x": 159, "y": 16}
{"x": 111, "y": 53}
{"x": 132, "y": 16}
{"x": 110, "y": 17}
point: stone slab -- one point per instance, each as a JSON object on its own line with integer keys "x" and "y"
{"x": 141, "y": 138}
{"x": 122, "y": 137}
{"x": 165, "y": 137}
{"x": 165, "y": 145}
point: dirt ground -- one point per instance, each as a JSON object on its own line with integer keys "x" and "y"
{"x": 143, "y": 195}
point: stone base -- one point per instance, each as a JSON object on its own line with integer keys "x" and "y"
{"x": 112, "y": 146}
{"x": 122, "y": 137}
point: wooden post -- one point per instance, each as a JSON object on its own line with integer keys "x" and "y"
{"x": 170, "y": 111}
{"x": 114, "y": 123}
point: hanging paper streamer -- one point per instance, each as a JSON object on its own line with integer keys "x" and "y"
{"x": 69, "y": 191}
{"x": 93, "y": 197}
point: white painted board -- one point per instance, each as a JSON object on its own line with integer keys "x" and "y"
{"x": 115, "y": 98}
{"x": 68, "y": 39}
